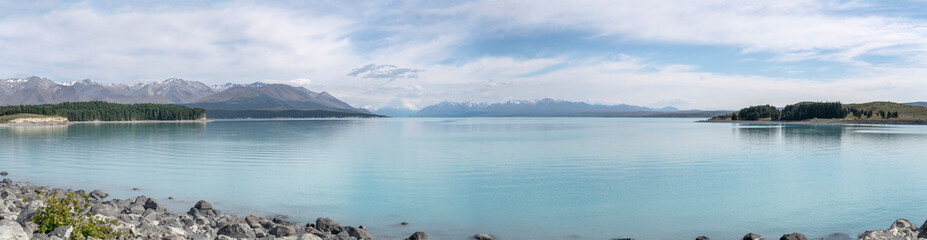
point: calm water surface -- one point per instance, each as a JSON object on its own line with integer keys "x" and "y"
{"x": 515, "y": 178}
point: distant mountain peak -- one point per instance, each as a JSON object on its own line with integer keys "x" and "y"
{"x": 541, "y": 107}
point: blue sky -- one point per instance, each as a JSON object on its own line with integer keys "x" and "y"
{"x": 689, "y": 54}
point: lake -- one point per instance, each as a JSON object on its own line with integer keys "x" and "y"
{"x": 514, "y": 178}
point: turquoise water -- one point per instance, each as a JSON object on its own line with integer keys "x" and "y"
{"x": 515, "y": 178}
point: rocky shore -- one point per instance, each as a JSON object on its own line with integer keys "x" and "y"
{"x": 146, "y": 218}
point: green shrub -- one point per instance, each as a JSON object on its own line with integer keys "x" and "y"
{"x": 74, "y": 210}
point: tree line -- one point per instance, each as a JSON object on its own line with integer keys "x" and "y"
{"x": 868, "y": 114}
{"x": 794, "y": 112}
{"x": 104, "y": 111}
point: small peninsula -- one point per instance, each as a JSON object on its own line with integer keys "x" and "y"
{"x": 97, "y": 111}
{"x": 830, "y": 112}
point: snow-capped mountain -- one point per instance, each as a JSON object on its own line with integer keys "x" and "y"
{"x": 397, "y": 108}
{"x": 530, "y": 108}
{"x": 451, "y": 109}
{"x": 37, "y": 90}
{"x": 258, "y": 95}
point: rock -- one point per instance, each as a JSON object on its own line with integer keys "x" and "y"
{"x": 793, "y": 236}
{"x": 253, "y": 221}
{"x": 63, "y": 232}
{"x": 203, "y": 205}
{"x": 283, "y": 231}
{"x": 343, "y": 236}
{"x": 150, "y": 215}
{"x": 418, "y": 236}
{"x": 309, "y": 237}
{"x": 238, "y": 230}
{"x": 140, "y": 200}
{"x": 358, "y": 233}
{"x": 11, "y": 230}
{"x": 4, "y": 173}
{"x": 7, "y": 181}
{"x": 40, "y": 236}
{"x": 838, "y": 236}
{"x": 135, "y": 189}
{"x": 404, "y": 223}
{"x": 30, "y": 227}
{"x": 223, "y": 237}
{"x": 135, "y": 209}
{"x": 260, "y": 232}
{"x": 98, "y": 195}
{"x": 752, "y": 236}
{"x": 153, "y": 204}
{"x": 327, "y": 225}
{"x": 280, "y": 220}
{"x": 105, "y": 210}
{"x": 702, "y": 238}
{"x": 5, "y": 194}
{"x": 900, "y": 229}
{"x": 29, "y": 211}
{"x": 483, "y": 236}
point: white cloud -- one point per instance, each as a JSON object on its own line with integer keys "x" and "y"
{"x": 795, "y": 29}
{"x": 247, "y": 42}
{"x": 234, "y": 42}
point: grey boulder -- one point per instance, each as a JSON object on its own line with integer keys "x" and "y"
{"x": 12, "y": 230}
{"x": 793, "y": 236}
{"x": 900, "y": 229}
{"x": 418, "y": 236}
{"x": 752, "y": 236}
{"x": 238, "y": 230}
{"x": 153, "y": 204}
{"x": 358, "y": 233}
{"x": 98, "y": 195}
{"x": 483, "y": 236}
{"x": 327, "y": 225}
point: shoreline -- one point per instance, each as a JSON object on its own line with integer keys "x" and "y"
{"x": 147, "y": 218}
{"x": 99, "y": 122}
{"x": 834, "y": 122}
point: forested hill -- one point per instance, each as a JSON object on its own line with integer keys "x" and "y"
{"x": 104, "y": 111}
{"x": 872, "y": 112}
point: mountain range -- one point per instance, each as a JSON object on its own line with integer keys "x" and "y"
{"x": 230, "y": 97}
{"x": 261, "y": 100}
{"x": 541, "y": 108}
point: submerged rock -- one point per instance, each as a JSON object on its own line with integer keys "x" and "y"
{"x": 900, "y": 229}
{"x": 838, "y": 236}
{"x": 702, "y": 238}
{"x": 793, "y": 236}
{"x": 483, "y": 236}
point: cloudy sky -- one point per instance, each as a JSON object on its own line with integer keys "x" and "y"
{"x": 688, "y": 54}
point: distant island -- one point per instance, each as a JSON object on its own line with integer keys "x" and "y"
{"x": 831, "y": 112}
{"x": 98, "y": 111}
